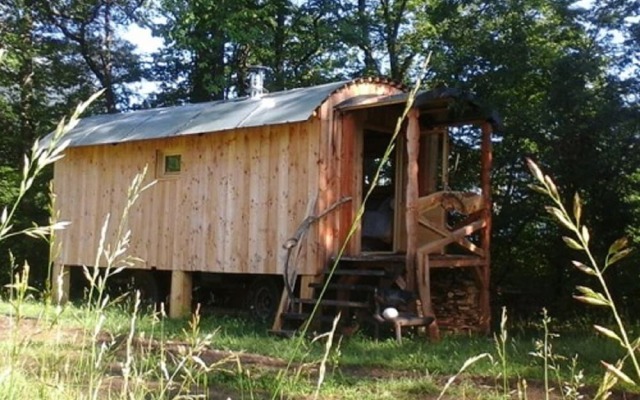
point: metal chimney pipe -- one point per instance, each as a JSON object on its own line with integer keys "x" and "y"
{"x": 256, "y": 81}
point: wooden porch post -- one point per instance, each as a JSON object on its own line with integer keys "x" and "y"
{"x": 485, "y": 233}
{"x": 411, "y": 216}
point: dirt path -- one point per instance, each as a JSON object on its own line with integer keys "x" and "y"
{"x": 34, "y": 331}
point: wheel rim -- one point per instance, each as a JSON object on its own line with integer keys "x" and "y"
{"x": 264, "y": 302}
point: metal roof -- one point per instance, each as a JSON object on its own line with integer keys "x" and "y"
{"x": 439, "y": 106}
{"x": 293, "y": 105}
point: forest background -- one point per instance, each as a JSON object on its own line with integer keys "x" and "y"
{"x": 564, "y": 76}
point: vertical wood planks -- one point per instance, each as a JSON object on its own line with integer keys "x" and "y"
{"x": 239, "y": 196}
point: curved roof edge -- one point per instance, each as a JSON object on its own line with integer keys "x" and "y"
{"x": 294, "y": 105}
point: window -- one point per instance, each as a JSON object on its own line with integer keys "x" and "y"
{"x": 168, "y": 164}
{"x": 172, "y": 164}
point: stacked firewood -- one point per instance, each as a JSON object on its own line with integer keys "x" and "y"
{"x": 455, "y": 299}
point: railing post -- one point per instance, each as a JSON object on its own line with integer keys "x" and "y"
{"x": 485, "y": 233}
{"x": 413, "y": 148}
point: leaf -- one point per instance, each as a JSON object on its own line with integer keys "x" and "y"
{"x": 577, "y": 207}
{"x": 591, "y": 301}
{"x": 582, "y": 267}
{"x": 618, "y": 245}
{"x": 608, "y": 333}
{"x": 5, "y": 215}
{"x": 559, "y": 215}
{"x": 553, "y": 189}
{"x": 585, "y": 290}
{"x": 617, "y": 372}
{"x": 539, "y": 189}
{"x": 589, "y": 296}
{"x": 585, "y": 234}
{"x": 572, "y": 243}
{"x": 60, "y": 225}
{"x": 535, "y": 170}
{"x": 618, "y": 256}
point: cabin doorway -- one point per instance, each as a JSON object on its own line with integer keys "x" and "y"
{"x": 378, "y": 221}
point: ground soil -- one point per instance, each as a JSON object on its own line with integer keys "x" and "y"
{"x": 35, "y": 331}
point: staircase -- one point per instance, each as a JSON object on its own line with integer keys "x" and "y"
{"x": 349, "y": 290}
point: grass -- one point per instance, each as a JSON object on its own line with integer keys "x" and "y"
{"x": 358, "y": 367}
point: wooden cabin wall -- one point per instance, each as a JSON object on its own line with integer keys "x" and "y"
{"x": 239, "y": 197}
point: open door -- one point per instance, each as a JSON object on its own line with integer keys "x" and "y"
{"x": 378, "y": 221}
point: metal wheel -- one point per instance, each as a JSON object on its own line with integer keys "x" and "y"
{"x": 263, "y": 298}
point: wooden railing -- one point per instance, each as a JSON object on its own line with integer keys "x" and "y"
{"x": 473, "y": 213}
{"x": 470, "y": 205}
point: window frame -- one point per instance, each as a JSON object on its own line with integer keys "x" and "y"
{"x": 161, "y": 163}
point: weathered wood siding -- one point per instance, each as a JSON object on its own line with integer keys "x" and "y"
{"x": 238, "y": 198}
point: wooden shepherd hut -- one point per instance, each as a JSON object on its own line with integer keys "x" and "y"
{"x": 260, "y": 193}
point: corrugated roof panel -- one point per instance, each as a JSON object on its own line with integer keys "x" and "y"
{"x": 220, "y": 116}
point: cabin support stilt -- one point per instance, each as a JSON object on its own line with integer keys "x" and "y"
{"x": 60, "y": 283}
{"x": 180, "y": 297}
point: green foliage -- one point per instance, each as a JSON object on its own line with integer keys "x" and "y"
{"x": 210, "y": 46}
{"x": 600, "y": 297}
{"x": 564, "y": 80}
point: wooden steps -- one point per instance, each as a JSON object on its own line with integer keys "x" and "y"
{"x": 343, "y": 286}
{"x": 358, "y": 272}
{"x": 333, "y": 303}
{"x": 349, "y": 289}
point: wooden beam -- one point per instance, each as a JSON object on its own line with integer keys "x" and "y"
{"x": 424, "y": 284}
{"x": 60, "y": 283}
{"x": 379, "y": 128}
{"x": 429, "y": 161}
{"x": 350, "y": 178}
{"x": 424, "y": 279}
{"x": 451, "y": 261}
{"x": 445, "y": 160}
{"x": 180, "y": 297}
{"x": 462, "y": 242}
{"x": 282, "y": 306}
{"x": 411, "y": 212}
{"x": 454, "y": 236}
{"x": 399, "y": 213}
{"x": 485, "y": 234}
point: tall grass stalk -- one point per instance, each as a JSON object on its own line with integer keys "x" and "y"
{"x": 500, "y": 340}
{"x": 579, "y": 240}
{"x": 323, "y": 364}
{"x": 546, "y": 351}
{"x": 468, "y": 363}
{"x": 41, "y": 156}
